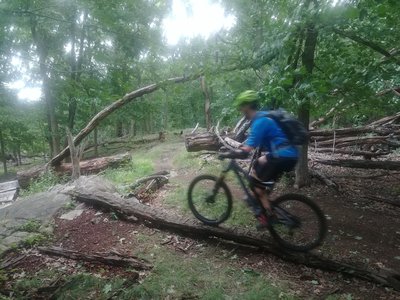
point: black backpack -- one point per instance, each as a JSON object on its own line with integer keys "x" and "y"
{"x": 292, "y": 127}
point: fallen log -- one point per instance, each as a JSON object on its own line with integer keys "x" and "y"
{"x": 161, "y": 178}
{"x": 153, "y": 217}
{"x": 361, "y": 164}
{"x": 204, "y": 141}
{"x": 366, "y": 154}
{"x": 91, "y": 166}
{"x": 111, "y": 259}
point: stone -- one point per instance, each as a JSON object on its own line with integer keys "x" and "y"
{"x": 41, "y": 207}
{"x": 71, "y": 215}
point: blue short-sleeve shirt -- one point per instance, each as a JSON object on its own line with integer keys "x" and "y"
{"x": 266, "y": 134}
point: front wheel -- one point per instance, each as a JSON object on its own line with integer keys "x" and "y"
{"x": 300, "y": 224}
{"x": 210, "y": 200}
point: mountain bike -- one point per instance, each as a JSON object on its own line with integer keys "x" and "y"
{"x": 299, "y": 224}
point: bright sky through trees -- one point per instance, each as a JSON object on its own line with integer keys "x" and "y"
{"x": 193, "y": 18}
{"x": 188, "y": 19}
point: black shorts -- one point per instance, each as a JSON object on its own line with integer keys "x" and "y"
{"x": 274, "y": 168}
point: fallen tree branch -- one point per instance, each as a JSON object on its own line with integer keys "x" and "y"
{"x": 160, "y": 177}
{"x": 226, "y": 145}
{"x": 112, "y": 259}
{"x": 366, "y": 154}
{"x": 194, "y": 130}
{"x": 361, "y": 164}
{"x": 156, "y": 218}
{"x": 324, "y": 179}
{"x": 93, "y": 123}
{"x": 90, "y": 166}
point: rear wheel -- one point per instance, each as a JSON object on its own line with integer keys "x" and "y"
{"x": 210, "y": 200}
{"x": 300, "y": 225}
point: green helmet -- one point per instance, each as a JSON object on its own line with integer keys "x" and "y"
{"x": 247, "y": 97}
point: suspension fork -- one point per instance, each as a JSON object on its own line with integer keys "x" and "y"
{"x": 222, "y": 177}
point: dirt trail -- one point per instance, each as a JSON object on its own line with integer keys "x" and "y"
{"x": 360, "y": 232}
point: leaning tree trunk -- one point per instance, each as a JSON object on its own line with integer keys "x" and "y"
{"x": 96, "y": 120}
{"x": 76, "y": 155}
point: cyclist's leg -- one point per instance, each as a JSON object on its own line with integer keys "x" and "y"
{"x": 264, "y": 170}
{"x": 269, "y": 169}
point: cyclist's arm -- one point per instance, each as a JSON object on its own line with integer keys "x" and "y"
{"x": 256, "y": 136}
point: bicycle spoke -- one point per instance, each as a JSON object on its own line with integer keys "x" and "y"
{"x": 298, "y": 226}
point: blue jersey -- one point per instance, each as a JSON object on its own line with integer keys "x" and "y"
{"x": 266, "y": 134}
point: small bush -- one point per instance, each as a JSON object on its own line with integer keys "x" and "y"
{"x": 30, "y": 226}
{"x": 42, "y": 184}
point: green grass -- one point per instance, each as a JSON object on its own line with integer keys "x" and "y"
{"x": 43, "y": 183}
{"x": 202, "y": 277}
{"x": 210, "y": 274}
{"x": 30, "y": 226}
{"x": 127, "y": 174}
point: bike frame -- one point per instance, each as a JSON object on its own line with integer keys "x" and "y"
{"x": 240, "y": 174}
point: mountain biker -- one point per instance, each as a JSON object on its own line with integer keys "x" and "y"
{"x": 281, "y": 156}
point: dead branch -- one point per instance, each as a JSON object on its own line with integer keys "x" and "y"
{"x": 195, "y": 128}
{"x": 361, "y": 164}
{"x": 112, "y": 259}
{"x": 226, "y": 145}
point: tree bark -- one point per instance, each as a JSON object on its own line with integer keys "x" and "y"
{"x": 95, "y": 121}
{"x": 91, "y": 166}
{"x": 112, "y": 259}
{"x": 76, "y": 155}
{"x": 308, "y": 57}
{"x": 207, "y": 102}
{"x": 204, "y": 141}
{"x": 361, "y": 164}
{"x": 41, "y": 41}
{"x": 3, "y": 152}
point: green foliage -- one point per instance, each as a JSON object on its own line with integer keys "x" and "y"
{"x": 30, "y": 226}
{"x": 191, "y": 278}
{"x": 138, "y": 167}
{"x": 34, "y": 240}
{"x": 42, "y": 184}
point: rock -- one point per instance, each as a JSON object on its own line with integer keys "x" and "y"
{"x": 95, "y": 221}
{"x": 41, "y": 207}
{"x": 73, "y": 214}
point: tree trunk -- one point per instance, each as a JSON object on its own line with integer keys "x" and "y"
{"x": 95, "y": 142}
{"x": 302, "y": 174}
{"x": 76, "y": 153}
{"x": 95, "y": 121}
{"x": 361, "y": 164}
{"x": 3, "y": 152}
{"x": 119, "y": 132}
{"x": 203, "y": 141}
{"x": 310, "y": 44}
{"x": 112, "y": 259}
{"x": 91, "y": 166}
{"x": 41, "y": 42}
{"x": 207, "y": 102}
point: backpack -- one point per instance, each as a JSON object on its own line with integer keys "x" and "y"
{"x": 295, "y": 131}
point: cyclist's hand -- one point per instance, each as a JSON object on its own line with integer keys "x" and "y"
{"x": 234, "y": 154}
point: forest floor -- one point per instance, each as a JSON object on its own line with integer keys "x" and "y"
{"x": 362, "y": 231}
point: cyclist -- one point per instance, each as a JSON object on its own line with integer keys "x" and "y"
{"x": 280, "y": 157}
